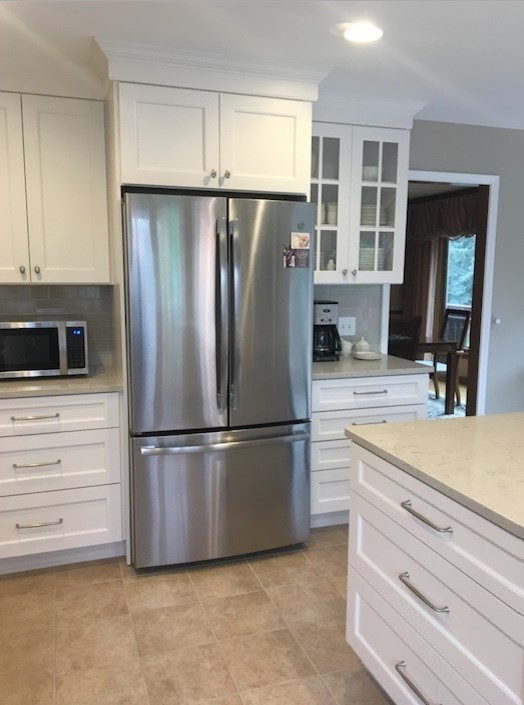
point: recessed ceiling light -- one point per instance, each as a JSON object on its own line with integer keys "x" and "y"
{"x": 361, "y": 32}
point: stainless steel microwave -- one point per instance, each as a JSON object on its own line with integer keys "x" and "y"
{"x": 43, "y": 349}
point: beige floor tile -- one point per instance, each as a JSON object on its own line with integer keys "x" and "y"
{"x": 171, "y": 628}
{"x": 27, "y": 688}
{"x": 313, "y": 602}
{"x": 328, "y": 536}
{"x": 339, "y": 583}
{"x": 30, "y": 652}
{"x": 41, "y": 581}
{"x": 28, "y": 611}
{"x": 120, "y": 685}
{"x": 91, "y": 572}
{"x": 94, "y": 643}
{"x": 326, "y": 646}
{"x": 224, "y": 580}
{"x": 127, "y": 571}
{"x": 91, "y": 600}
{"x": 355, "y": 687}
{"x": 188, "y": 676}
{"x": 284, "y": 569}
{"x": 148, "y": 592}
{"x": 330, "y": 560}
{"x": 239, "y": 615}
{"x": 260, "y": 660}
{"x": 307, "y": 691}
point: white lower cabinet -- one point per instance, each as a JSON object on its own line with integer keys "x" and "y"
{"x": 338, "y": 403}
{"x": 59, "y": 473}
{"x": 415, "y": 599}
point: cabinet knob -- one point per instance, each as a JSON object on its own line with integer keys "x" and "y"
{"x": 22, "y": 269}
{"x": 37, "y": 269}
{"x": 227, "y": 174}
{"x": 213, "y": 174}
{"x": 354, "y": 272}
{"x": 344, "y": 272}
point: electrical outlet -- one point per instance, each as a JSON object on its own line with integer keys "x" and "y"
{"x": 347, "y": 325}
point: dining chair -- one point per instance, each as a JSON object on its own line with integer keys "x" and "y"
{"x": 404, "y": 334}
{"x": 455, "y": 327}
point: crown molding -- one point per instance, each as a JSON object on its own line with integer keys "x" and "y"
{"x": 358, "y": 110}
{"x": 142, "y": 63}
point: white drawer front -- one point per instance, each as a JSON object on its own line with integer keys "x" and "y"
{"x": 78, "y": 412}
{"x": 329, "y": 491}
{"x": 330, "y": 454}
{"x": 383, "y": 640}
{"x": 481, "y": 636}
{"x": 330, "y": 425}
{"x": 368, "y": 392}
{"x": 489, "y": 555}
{"x": 68, "y": 519}
{"x": 59, "y": 461}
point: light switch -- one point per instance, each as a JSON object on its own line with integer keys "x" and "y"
{"x": 347, "y": 325}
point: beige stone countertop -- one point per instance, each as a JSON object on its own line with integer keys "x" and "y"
{"x": 351, "y": 367}
{"x": 98, "y": 381}
{"x": 478, "y": 461}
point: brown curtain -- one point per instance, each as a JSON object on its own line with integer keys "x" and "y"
{"x": 430, "y": 224}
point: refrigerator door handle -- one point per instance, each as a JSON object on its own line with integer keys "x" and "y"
{"x": 205, "y": 448}
{"x": 221, "y": 315}
{"x": 234, "y": 371}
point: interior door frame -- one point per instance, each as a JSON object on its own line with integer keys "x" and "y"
{"x": 492, "y": 181}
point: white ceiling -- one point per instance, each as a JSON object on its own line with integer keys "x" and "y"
{"x": 463, "y": 58}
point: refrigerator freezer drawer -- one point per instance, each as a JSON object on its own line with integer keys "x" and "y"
{"x": 214, "y": 495}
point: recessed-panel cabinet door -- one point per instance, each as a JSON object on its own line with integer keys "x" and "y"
{"x": 264, "y": 144}
{"x": 14, "y": 252}
{"x": 66, "y": 189}
{"x": 169, "y": 136}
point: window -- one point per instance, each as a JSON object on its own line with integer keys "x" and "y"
{"x": 460, "y": 266}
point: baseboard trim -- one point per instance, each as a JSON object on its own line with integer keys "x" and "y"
{"x": 52, "y": 559}
{"x": 329, "y": 519}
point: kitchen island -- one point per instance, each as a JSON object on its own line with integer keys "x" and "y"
{"x": 436, "y": 558}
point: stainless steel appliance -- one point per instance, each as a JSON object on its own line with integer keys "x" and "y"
{"x": 43, "y": 349}
{"x": 326, "y": 339}
{"x": 219, "y": 340}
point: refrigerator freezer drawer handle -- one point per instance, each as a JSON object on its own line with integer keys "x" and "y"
{"x": 206, "y": 448}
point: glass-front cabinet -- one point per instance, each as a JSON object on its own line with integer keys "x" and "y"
{"x": 359, "y": 185}
{"x": 330, "y": 189}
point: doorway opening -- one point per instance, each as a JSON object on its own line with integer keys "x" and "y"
{"x": 465, "y": 276}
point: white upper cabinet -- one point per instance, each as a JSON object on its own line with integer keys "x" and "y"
{"x": 202, "y": 139}
{"x": 359, "y": 183}
{"x": 53, "y": 188}
{"x": 14, "y": 248}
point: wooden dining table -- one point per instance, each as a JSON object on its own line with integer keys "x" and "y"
{"x": 449, "y": 348}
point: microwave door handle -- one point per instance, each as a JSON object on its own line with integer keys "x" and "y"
{"x": 234, "y": 363}
{"x": 221, "y": 313}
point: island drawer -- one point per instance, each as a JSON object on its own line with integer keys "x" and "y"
{"x": 368, "y": 392}
{"x": 393, "y": 651}
{"x": 330, "y": 425}
{"x": 78, "y": 412}
{"x": 488, "y": 554}
{"x": 51, "y": 521}
{"x": 59, "y": 461}
{"x": 466, "y": 624}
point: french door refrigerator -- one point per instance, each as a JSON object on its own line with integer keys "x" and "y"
{"x": 219, "y": 320}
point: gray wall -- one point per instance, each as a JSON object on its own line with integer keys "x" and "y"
{"x": 456, "y": 148}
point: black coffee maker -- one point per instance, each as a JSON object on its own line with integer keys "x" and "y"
{"x": 326, "y": 340}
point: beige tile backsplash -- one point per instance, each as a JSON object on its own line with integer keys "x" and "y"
{"x": 93, "y": 304}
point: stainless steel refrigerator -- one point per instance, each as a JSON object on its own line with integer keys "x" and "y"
{"x": 219, "y": 320}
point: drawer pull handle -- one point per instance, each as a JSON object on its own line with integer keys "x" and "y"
{"x": 17, "y": 466}
{"x": 442, "y": 530}
{"x": 37, "y": 526}
{"x": 368, "y": 423}
{"x": 404, "y": 578}
{"x": 35, "y": 418}
{"x": 364, "y": 394}
{"x": 399, "y": 668}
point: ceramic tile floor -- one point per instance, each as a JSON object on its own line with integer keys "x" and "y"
{"x": 259, "y": 630}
